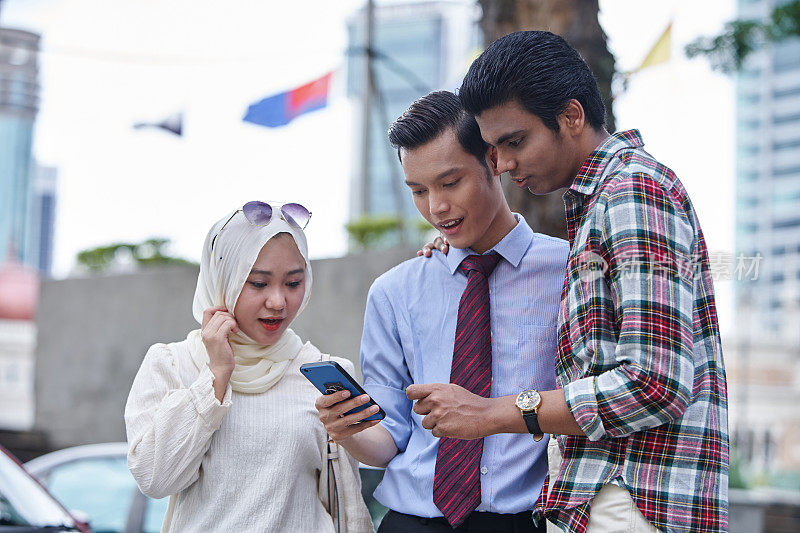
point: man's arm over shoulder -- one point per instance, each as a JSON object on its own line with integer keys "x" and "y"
{"x": 647, "y": 241}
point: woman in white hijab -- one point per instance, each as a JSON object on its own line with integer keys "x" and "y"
{"x": 223, "y": 422}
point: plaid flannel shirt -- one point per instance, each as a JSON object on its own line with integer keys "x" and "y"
{"x": 639, "y": 354}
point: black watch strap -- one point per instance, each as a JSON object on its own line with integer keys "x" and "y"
{"x": 532, "y": 421}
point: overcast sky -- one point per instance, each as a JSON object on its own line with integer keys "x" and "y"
{"x": 107, "y": 64}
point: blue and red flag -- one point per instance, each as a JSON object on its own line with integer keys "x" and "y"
{"x": 282, "y": 108}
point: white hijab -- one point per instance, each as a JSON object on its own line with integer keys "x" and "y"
{"x": 222, "y": 276}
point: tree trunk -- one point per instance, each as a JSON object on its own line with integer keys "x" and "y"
{"x": 576, "y": 21}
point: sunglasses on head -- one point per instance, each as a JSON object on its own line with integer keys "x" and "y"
{"x": 260, "y": 213}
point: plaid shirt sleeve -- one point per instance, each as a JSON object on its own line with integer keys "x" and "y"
{"x": 644, "y": 379}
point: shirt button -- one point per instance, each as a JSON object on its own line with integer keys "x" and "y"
{"x": 484, "y": 470}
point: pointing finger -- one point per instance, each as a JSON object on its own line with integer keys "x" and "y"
{"x": 418, "y": 392}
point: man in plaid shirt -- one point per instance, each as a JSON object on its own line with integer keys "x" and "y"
{"x": 642, "y": 407}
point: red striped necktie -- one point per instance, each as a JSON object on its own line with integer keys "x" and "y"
{"x": 456, "y": 482}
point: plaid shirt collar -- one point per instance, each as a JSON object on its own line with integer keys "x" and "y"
{"x": 591, "y": 173}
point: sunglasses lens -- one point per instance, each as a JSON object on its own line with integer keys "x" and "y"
{"x": 296, "y": 214}
{"x": 257, "y": 213}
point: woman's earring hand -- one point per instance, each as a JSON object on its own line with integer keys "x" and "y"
{"x": 218, "y": 323}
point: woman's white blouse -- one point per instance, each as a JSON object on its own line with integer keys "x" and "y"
{"x": 252, "y": 463}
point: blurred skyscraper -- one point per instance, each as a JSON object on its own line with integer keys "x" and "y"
{"x": 768, "y": 184}
{"x": 19, "y": 103}
{"x": 20, "y": 241}
{"x": 418, "y": 47}
{"x": 763, "y": 353}
{"x": 42, "y": 217}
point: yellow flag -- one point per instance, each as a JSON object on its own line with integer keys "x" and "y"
{"x": 660, "y": 52}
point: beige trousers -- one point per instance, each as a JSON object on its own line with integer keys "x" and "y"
{"x": 612, "y": 509}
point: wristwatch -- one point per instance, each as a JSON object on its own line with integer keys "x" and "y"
{"x": 529, "y": 402}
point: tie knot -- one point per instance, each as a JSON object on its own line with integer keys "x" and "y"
{"x": 480, "y": 263}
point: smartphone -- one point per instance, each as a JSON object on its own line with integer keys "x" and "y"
{"x": 329, "y": 377}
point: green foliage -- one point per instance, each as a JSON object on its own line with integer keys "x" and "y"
{"x": 422, "y": 226}
{"x": 785, "y": 21}
{"x": 368, "y": 230}
{"x": 728, "y": 50}
{"x": 373, "y": 231}
{"x": 744, "y": 475}
{"x": 737, "y": 479}
{"x": 147, "y": 253}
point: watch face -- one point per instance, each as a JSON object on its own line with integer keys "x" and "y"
{"x": 528, "y": 400}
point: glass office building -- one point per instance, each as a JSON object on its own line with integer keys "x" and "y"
{"x": 764, "y": 349}
{"x": 18, "y": 106}
{"x": 42, "y": 217}
{"x": 768, "y": 186}
{"x": 420, "y": 47}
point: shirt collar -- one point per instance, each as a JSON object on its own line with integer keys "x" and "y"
{"x": 591, "y": 172}
{"x": 512, "y": 247}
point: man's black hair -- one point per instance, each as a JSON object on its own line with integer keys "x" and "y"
{"x": 538, "y": 69}
{"x": 431, "y": 115}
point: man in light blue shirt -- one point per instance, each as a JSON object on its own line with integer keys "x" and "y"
{"x": 410, "y": 326}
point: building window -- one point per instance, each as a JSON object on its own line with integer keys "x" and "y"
{"x": 786, "y": 145}
{"x": 791, "y": 223}
{"x": 748, "y": 150}
{"x": 749, "y": 125}
{"x": 778, "y": 277}
{"x": 786, "y": 171}
{"x": 785, "y": 118}
{"x": 748, "y": 176}
{"x": 749, "y": 227}
{"x": 749, "y": 99}
{"x": 786, "y": 56}
{"x": 747, "y": 202}
{"x": 750, "y": 74}
{"x": 786, "y": 92}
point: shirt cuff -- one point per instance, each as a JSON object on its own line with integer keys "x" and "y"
{"x": 397, "y": 407}
{"x": 208, "y": 407}
{"x": 582, "y": 403}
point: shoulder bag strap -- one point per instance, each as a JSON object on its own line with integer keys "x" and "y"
{"x": 333, "y": 455}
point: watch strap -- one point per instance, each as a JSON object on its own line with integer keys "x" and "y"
{"x": 532, "y": 422}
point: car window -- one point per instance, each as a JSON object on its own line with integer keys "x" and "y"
{"x": 103, "y": 488}
{"x": 154, "y": 515}
{"x": 23, "y": 501}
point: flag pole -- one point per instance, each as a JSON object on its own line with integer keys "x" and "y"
{"x": 366, "y": 105}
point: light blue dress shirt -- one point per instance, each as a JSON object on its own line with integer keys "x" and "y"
{"x": 409, "y": 330}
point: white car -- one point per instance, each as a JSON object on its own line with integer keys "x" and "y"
{"x": 95, "y": 480}
{"x": 25, "y": 506}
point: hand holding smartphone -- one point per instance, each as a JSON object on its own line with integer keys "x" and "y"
{"x": 329, "y": 377}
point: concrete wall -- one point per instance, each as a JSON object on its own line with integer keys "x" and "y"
{"x": 93, "y": 333}
{"x": 764, "y": 511}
